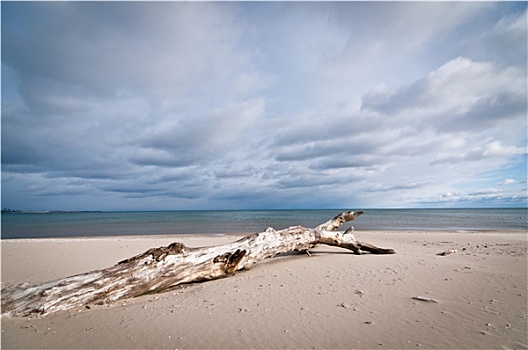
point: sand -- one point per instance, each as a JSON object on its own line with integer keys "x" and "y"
{"x": 333, "y": 299}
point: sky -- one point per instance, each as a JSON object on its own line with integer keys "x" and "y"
{"x": 263, "y": 105}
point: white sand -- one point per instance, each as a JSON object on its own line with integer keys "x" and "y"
{"x": 333, "y": 299}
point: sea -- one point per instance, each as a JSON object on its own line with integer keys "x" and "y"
{"x": 54, "y": 224}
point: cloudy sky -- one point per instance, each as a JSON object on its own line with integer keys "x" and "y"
{"x": 240, "y": 105}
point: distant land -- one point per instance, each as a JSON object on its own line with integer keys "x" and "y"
{"x": 8, "y": 210}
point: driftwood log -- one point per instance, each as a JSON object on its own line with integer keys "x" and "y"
{"x": 159, "y": 269}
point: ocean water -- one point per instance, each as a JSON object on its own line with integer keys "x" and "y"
{"x": 81, "y": 224}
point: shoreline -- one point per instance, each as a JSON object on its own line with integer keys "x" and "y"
{"x": 333, "y": 299}
{"x": 155, "y": 236}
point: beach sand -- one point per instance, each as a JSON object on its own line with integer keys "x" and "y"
{"x": 333, "y": 299}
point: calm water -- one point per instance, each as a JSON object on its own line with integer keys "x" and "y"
{"x": 55, "y": 224}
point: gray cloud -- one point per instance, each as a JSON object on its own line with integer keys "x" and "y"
{"x": 462, "y": 87}
{"x": 396, "y": 187}
{"x": 105, "y": 48}
{"x": 479, "y": 197}
{"x": 490, "y": 150}
{"x": 234, "y": 105}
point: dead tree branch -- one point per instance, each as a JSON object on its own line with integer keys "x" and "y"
{"x": 161, "y": 268}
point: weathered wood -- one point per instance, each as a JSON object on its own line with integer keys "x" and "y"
{"x": 161, "y": 268}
